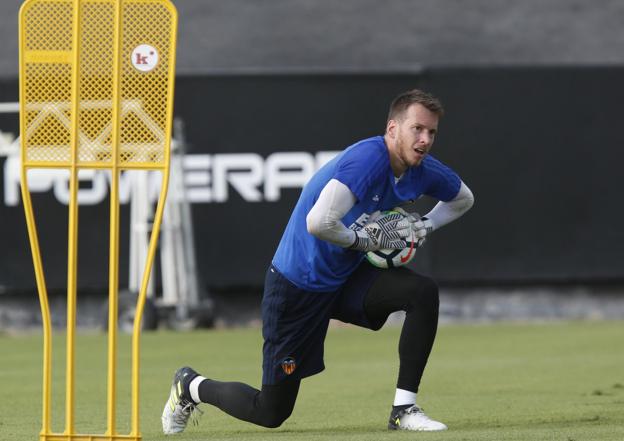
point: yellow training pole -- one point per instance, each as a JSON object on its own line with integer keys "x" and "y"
{"x": 72, "y": 235}
{"x": 43, "y": 302}
{"x": 96, "y": 92}
{"x": 113, "y": 281}
{"x": 38, "y": 266}
{"x": 136, "y": 334}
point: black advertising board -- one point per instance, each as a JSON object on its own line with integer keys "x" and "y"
{"x": 540, "y": 148}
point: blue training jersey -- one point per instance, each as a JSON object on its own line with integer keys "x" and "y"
{"x": 316, "y": 265}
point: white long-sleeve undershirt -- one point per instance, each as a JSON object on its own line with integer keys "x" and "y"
{"x": 446, "y": 212}
{"x": 324, "y": 219}
{"x": 336, "y": 199}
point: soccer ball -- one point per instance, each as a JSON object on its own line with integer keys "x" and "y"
{"x": 389, "y": 258}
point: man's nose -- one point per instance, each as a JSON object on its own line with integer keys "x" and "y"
{"x": 425, "y": 138}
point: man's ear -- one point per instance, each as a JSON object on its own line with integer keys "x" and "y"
{"x": 391, "y": 128}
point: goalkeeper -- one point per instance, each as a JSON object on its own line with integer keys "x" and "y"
{"x": 319, "y": 272}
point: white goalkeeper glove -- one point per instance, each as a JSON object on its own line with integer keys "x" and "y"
{"x": 382, "y": 231}
{"x": 421, "y": 226}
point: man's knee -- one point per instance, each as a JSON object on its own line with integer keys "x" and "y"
{"x": 430, "y": 296}
{"x": 276, "y": 403}
{"x": 424, "y": 294}
{"x": 273, "y": 422}
{"x": 275, "y": 417}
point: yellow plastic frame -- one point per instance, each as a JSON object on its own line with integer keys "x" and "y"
{"x": 84, "y": 104}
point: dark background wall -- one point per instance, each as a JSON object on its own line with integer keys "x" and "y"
{"x": 540, "y": 148}
{"x": 533, "y": 100}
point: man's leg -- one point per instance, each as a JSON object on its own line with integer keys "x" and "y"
{"x": 294, "y": 328}
{"x": 367, "y": 299}
{"x": 268, "y": 407}
{"x": 403, "y": 290}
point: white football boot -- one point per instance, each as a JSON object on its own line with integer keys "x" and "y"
{"x": 413, "y": 418}
{"x": 179, "y": 408}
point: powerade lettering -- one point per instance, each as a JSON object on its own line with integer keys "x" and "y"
{"x": 207, "y": 178}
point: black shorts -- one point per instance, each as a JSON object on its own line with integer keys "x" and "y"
{"x": 295, "y": 322}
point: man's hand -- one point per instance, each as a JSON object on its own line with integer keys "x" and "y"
{"x": 382, "y": 231}
{"x": 421, "y": 226}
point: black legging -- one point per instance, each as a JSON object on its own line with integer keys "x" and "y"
{"x": 410, "y": 292}
{"x": 268, "y": 407}
{"x": 403, "y": 290}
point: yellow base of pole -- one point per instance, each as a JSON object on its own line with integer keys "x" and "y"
{"x": 62, "y": 437}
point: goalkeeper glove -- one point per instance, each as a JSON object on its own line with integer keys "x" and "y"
{"x": 382, "y": 231}
{"x": 421, "y": 226}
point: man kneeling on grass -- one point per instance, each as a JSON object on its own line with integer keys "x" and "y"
{"x": 320, "y": 272}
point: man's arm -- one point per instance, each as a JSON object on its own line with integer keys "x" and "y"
{"x": 324, "y": 221}
{"x": 445, "y": 212}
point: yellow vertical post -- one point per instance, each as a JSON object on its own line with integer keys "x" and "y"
{"x": 169, "y": 72}
{"x": 44, "y": 304}
{"x": 96, "y": 92}
{"x": 113, "y": 265}
{"x": 72, "y": 234}
{"x": 37, "y": 263}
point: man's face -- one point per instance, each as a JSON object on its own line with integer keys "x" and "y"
{"x": 414, "y": 133}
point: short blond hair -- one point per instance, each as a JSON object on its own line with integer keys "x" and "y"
{"x": 415, "y": 96}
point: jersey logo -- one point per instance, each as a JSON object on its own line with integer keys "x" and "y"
{"x": 289, "y": 365}
{"x": 376, "y": 198}
{"x": 359, "y": 222}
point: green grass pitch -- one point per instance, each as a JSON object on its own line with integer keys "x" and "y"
{"x": 553, "y": 381}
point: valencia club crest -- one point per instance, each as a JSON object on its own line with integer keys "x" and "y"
{"x": 289, "y": 365}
